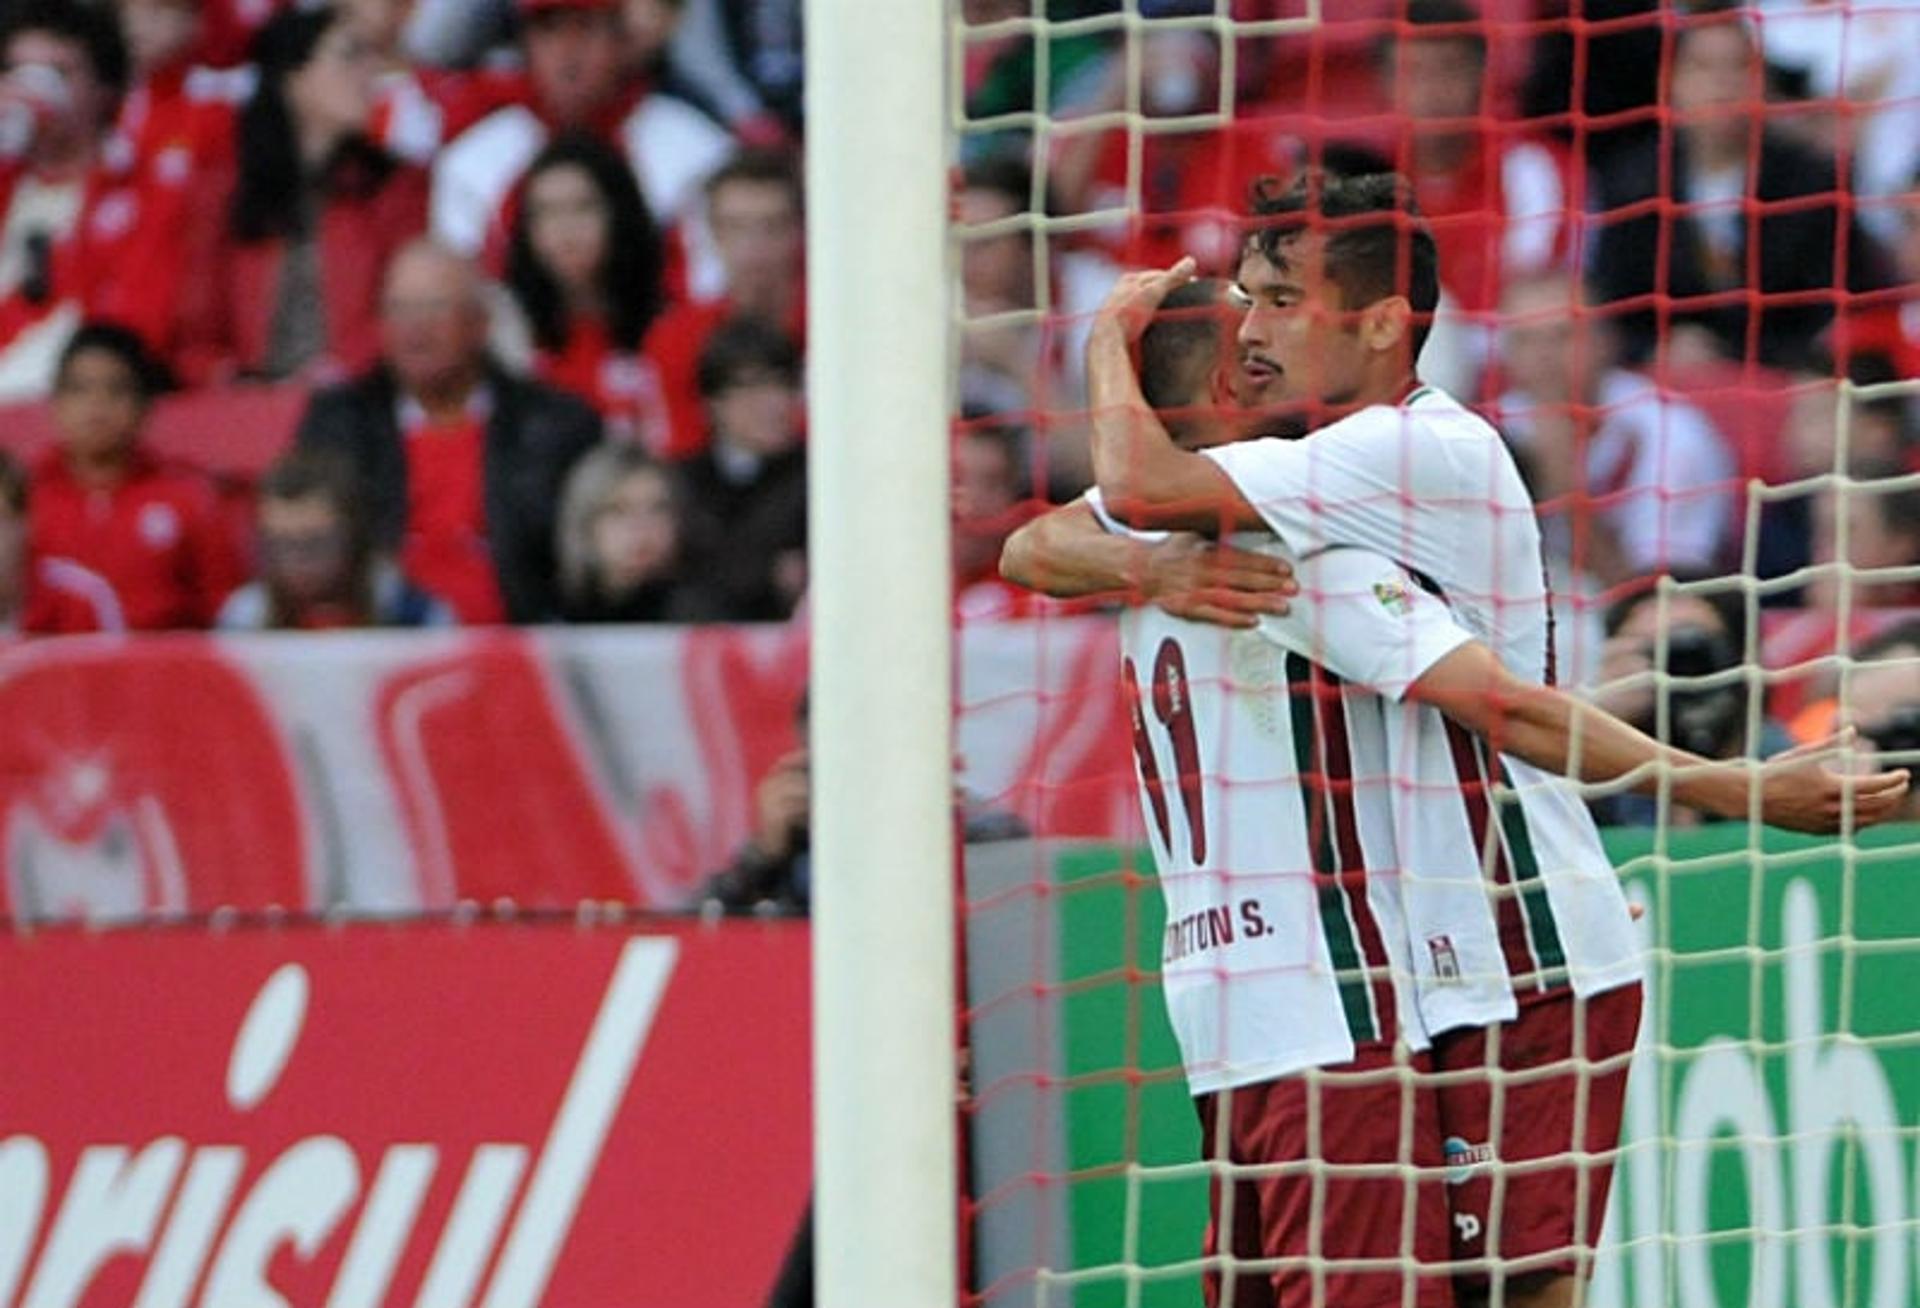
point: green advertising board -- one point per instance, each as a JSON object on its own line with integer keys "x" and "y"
{"x": 1771, "y": 1156}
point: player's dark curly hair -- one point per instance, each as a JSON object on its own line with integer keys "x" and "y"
{"x": 1378, "y": 245}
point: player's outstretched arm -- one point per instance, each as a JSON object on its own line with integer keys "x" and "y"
{"x": 1538, "y": 723}
{"x": 1068, "y": 554}
{"x": 1145, "y": 479}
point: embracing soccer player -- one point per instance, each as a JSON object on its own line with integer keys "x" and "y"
{"x": 1374, "y": 957}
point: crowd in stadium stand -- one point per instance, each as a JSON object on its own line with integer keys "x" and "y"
{"x": 532, "y": 271}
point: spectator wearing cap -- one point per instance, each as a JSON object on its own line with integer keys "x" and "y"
{"x": 747, "y": 492}
{"x": 85, "y": 233}
{"x": 102, "y": 504}
{"x": 1726, "y": 239}
{"x": 463, "y": 463}
{"x": 755, "y": 215}
{"x": 319, "y": 567}
{"x": 317, "y": 212}
{"x": 580, "y": 79}
{"x": 585, "y": 268}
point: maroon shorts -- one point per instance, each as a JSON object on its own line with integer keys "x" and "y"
{"x": 1322, "y": 1220}
{"x": 1550, "y": 1085}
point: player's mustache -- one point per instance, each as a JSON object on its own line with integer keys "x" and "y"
{"x": 1264, "y": 360}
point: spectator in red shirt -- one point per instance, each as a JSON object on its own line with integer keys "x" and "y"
{"x": 1498, "y": 202}
{"x": 755, "y": 213}
{"x": 317, "y": 212}
{"x": 585, "y": 267}
{"x": 66, "y": 597}
{"x": 747, "y": 491}
{"x": 579, "y": 80}
{"x": 987, "y": 494}
{"x": 85, "y": 231}
{"x": 319, "y": 566}
{"x": 177, "y": 109}
{"x": 463, "y": 463}
{"x": 102, "y": 503}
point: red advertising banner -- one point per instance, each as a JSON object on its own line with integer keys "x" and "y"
{"x": 393, "y": 772}
{"x": 499, "y": 1115}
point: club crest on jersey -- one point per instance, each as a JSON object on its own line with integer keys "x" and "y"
{"x": 1462, "y": 1158}
{"x": 1393, "y": 597}
{"x": 1446, "y": 963}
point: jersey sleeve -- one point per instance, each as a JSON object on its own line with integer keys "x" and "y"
{"x": 1362, "y": 618}
{"x": 1116, "y": 527}
{"x": 1367, "y": 481}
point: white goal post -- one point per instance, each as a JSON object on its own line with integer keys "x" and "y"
{"x": 886, "y": 1190}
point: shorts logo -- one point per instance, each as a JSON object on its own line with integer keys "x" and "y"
{"x": 1393, "y": 597}
{"x": 1468, "y": 1227}
{"x": 1446, "y": 963}
{"x": 1463, "y": 1158}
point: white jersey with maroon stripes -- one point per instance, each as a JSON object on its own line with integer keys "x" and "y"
{"x": 1267, "y": 787}
{"x": 1430, "y": 485}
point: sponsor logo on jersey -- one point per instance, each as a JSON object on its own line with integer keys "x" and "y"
{"x": 1464, "y": 1159}
{"x": 1393, "y": 597}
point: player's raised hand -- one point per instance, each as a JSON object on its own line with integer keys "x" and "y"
{"x": 1136, "y": 297}
{"x": 1193, "y": 578}
{"x": 1801, "y": 791}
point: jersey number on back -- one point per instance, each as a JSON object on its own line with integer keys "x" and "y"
{"x": 1173, "y": 706}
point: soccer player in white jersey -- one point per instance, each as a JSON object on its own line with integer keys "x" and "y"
{"x": 1265, "y": 780}
{"x": 1541, "y": 977}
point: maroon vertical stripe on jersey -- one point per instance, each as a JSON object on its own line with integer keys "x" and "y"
{"x": 1473, "y": 793}
{"x": 1337, "y": 760}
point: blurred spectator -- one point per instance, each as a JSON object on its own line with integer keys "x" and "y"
{"x": 747, "y": 492}
{"x": 1882, "y": 693}
{"x": 1691, "y": 635}
{"x": 1720, "y": 175}
{"x": 755, "y": 211}
{"x": 1879, "y": 432}
{"x": 64, "y": 596}
{"x": 1882, "y": 525}
{"x": 84, "y": 232}
{"x": 742, "y": 58}
{"x": 1192, "y": 184}
{"x": 1497, "y": 201}
{"x": 1022, "y": 366}
{"x": 585, "y": 268}
{"x": 1597, "y": 63}
{"x": 319, "y": 568}
{"x": 177, "y": 113}
{"x": 317, "y": 213}
{"x": 463, "y": 463}
{"x": 987, "y": 499}
{"x": 773, "y": 872}
{"x": 1644, "y": 481}
{"x": 577, "y": 63}
{"x": 623, "y": 542}
{"x": 101, "y": 503}
{"x": 1859, "y": 59}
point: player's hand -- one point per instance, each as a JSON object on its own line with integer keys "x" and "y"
{"x": 1801, "y": 791}
{"x": 1193, "y": 578}
{"x": 1136, "y": 297}
{"x": 780, "y": 806}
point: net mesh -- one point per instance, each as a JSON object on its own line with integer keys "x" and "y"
{"x": 1678, "y": 271}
